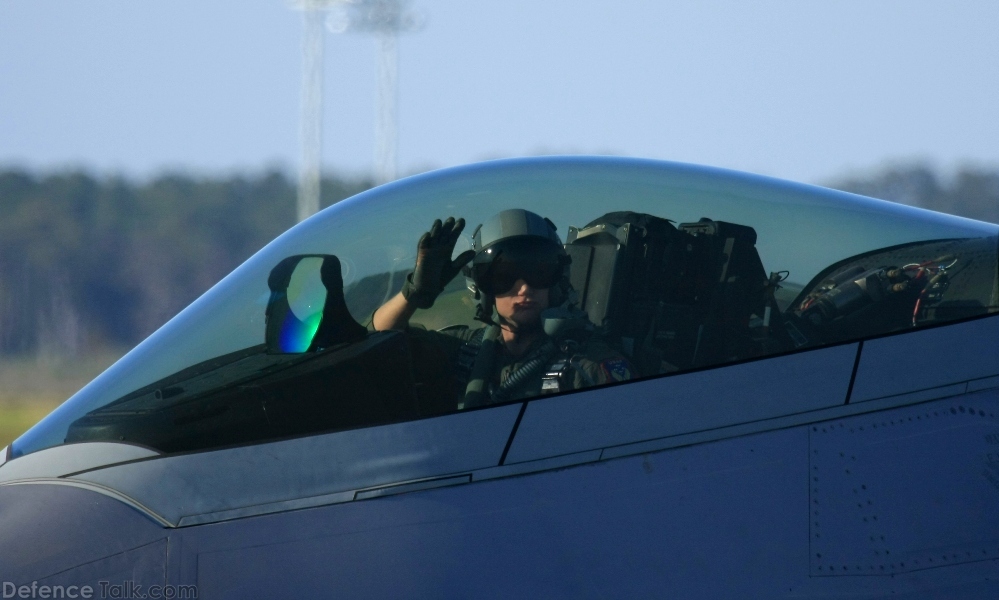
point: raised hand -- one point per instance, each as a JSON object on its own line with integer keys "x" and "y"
{"x": 434, "y": 267}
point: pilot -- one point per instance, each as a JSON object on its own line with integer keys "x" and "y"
{"x": 518, "y": 270}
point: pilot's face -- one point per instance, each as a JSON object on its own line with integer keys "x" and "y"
{"x": 522, "y": 304}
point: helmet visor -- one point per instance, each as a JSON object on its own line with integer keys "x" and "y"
{"x": 537, "y": 261}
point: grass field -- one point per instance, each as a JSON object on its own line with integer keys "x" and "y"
{"x": 30, "y": 387}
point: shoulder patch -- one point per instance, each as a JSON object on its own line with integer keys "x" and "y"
{"x": 616, "y": 369}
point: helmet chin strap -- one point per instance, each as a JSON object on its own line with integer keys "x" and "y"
{"x": 519, "y": 329}
{"x": 484, "y": 308}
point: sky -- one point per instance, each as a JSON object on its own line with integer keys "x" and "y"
{"x": 799, "y": 90}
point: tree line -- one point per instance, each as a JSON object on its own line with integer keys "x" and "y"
{"x": 970, "y": 192}
{"x": 89, "y": 262}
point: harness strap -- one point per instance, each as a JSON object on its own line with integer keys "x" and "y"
{"x": 482, "y": 350}
{"x": 466, "y": 355}
{"x": 556, "y": 377}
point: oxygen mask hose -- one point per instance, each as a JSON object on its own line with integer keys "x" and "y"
{"x": 540, "y": 358}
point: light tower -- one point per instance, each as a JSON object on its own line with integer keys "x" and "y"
{"x": 386, "y": 19}
{"x": 311, "y": 124}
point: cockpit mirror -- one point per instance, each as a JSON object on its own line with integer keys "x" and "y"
{"x": 306, "y": 311}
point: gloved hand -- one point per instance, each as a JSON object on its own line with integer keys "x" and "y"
{"x": 434, "y": 267}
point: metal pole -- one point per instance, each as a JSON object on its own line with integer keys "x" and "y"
{"x": 386, "y": 19}
{"x": 385, "y": 125}
{"x": 312, "y": 113}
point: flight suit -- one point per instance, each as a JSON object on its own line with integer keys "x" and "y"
{"x": 544, "y": 368}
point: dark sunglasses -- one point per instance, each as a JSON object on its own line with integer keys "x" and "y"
{"x": 538, "y": 262}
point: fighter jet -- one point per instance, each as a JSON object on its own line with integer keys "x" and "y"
{"x": 802, "y": 404}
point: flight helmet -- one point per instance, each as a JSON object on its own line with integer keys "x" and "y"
{"x": 517, "y": 244}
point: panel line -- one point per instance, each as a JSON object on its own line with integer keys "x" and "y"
{"x": 513, "y": 433}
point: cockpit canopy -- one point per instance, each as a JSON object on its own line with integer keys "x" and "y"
{"x": 277, "y": 348}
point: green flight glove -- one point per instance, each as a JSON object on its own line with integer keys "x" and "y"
{"x": 434, "y": 267}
